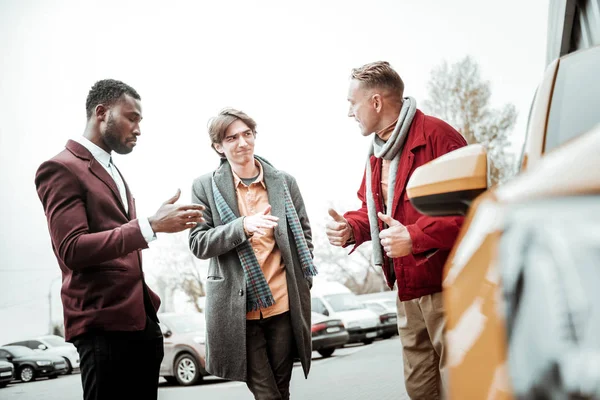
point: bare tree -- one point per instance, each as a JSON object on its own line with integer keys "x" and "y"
{"x": 176, "y": 270}
{"x": 459, "y": 96}
{"x": 355, "y": 271}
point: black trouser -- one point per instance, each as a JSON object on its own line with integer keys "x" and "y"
{"x": 119, "y": 365}
{"x": 270, "y": 351}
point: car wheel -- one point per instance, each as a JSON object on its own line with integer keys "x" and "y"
{"x": 187, "y": 370}
{"x": 27, "y": 374}
{"x": 326, "y": 352}
{"x": 3, "y": 384}
{"x": 368, "y": 341}
{"x": 69, "y": 367}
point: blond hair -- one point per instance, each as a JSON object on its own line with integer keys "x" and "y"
{"x": 380, "y": 75}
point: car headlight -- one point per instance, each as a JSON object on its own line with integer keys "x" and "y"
{"x": 43, "y": 363}
{"x": 199, "y": 340}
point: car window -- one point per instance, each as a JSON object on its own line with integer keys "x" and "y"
{"x": 318, "y": 306}
{"x": 4, "y": 354}
{"x": 20, "y": 351}
{"x": 34, "y": 344}
{"x": 576, "y": 98}
{"x": 344, "y": 302}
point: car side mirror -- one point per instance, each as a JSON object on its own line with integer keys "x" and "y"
{"x": 42, "y": 347}
{"x": 448, "y": 184}
{"x": 167, "y": 333}
{"x": 326, "y": 312}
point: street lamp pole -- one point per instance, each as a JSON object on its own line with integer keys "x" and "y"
{"x": 50, "y": 326}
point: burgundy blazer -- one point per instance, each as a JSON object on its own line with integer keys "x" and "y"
{"x": 97, "y": 244}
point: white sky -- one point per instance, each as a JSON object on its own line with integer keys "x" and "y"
{"x": 284, "y": 63}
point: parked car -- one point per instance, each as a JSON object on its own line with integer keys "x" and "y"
{"x": 7, "y": 372}
{"x": 53, "y": 344}
{"x": 334, "y": 300}
{"x": 520, "y": 284}
{"x": 388, "y": 316}
{"x": 184, "y": 345}
{"x": 328, "y": 334}
{"x": 30, "y": 365}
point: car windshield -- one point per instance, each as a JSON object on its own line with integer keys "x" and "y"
{"x": 344, "y": 302}
{"x": 20, "y": 351}
{"x": 184, "y": 323}
{"x": 55, "y": 341}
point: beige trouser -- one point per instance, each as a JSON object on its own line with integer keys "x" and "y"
{"x": 421, "y": 328}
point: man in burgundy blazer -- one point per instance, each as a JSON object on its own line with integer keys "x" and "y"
{"x": 110, "y": 313}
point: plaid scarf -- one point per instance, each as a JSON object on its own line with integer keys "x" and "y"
{"x": 258, "y": 292}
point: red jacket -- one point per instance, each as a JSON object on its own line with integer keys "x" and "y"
{"x": 420, "y": 273}
{"x": 97, "y": 245}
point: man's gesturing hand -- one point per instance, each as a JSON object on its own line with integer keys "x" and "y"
{"x": 171, "y": 217}
{"x": 339, "y": 230}
{"x": 258, "y": 223}
{"x": 395, "y": 240}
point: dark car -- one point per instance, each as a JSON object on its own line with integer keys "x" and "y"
{"x": 185, "y": 346}
{"x": 7, "y": 372}
{"x": 388, "y": 317}
{"x": 327, "y": 334}
{"x": 30, "y": 365}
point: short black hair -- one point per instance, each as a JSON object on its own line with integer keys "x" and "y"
{"x": 107, "y": 92}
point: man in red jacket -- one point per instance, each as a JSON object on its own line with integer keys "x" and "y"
{"x": 109, "y": 311}
{"x": 410, "y": 247}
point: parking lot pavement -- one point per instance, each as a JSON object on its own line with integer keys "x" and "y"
{"x": 355, "y": 372}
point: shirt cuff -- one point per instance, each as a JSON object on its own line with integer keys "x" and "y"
{"x": 146, "y": 229}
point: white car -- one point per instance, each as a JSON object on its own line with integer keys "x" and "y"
{"x": 53, "y": 344}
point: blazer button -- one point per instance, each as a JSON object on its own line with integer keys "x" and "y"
{"x": 241, "y": 292}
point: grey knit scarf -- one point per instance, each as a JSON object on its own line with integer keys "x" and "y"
{"x": 388, "y": 150}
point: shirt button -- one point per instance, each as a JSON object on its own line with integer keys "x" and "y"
{"x": 241, "y": 292}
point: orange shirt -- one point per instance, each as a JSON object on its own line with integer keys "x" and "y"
{"x": 385, "y": 134}
{"x": 252, "y": 199}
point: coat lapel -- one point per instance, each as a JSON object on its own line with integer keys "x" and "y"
{"x": 414, "y": 140}
{"x": 97, "y": 169}
{"x": 274, "y": 183}
{"x": 224, "y": 181}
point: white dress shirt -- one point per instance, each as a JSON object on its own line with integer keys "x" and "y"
{"x": 105, "y": 160}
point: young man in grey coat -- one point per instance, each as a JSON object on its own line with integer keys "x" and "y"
{"x": 257, "y": 236}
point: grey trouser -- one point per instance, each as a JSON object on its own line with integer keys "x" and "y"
{"x": 421, "y": 328}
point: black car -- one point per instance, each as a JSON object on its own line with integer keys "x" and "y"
{"x": 7, "y": 371}
{"x": 327, "y": 334}
{"x": 30, "y": 365}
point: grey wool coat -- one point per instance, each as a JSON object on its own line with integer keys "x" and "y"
{"x": 225, "y": 308}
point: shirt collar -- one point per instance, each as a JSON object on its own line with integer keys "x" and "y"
{"x": 99, "y": 154}
{"x": 237, "y": 180}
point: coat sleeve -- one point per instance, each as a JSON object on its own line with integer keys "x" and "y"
{"x": 302, "y": 214}
{"x": 63, "y": 199}
{"x": 359, "y": 219}
{"x": 437, "y": 233}
{"x": 207, "y": 240}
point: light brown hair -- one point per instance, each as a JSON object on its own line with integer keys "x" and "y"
{"x": 380, "y": 75}
{"x": 217, "y": 126}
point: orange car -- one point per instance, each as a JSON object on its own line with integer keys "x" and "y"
{"x": 519, "y": 284}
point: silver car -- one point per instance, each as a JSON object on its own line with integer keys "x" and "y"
{"x": 184, "y": 346}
